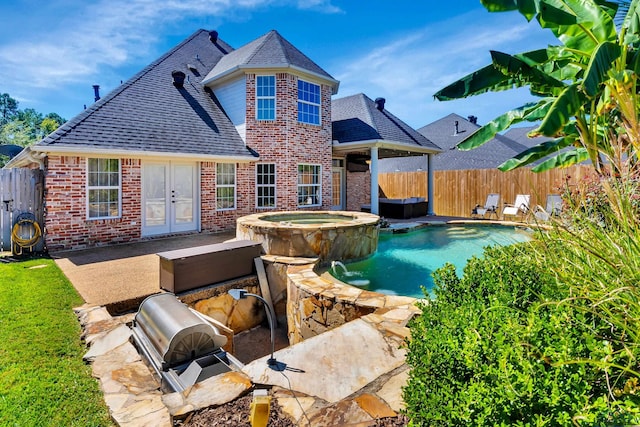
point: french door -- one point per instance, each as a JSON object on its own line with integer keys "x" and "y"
{"x": 169, "y": 197}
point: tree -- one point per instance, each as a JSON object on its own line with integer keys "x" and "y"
{"x": 8, "y": 108}
{"x": 587, "y": 84}
{"x": 23, "y": 127}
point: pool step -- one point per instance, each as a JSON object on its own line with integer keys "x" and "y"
{"x": 462, "y": 232}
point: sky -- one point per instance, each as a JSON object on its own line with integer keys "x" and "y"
{"x": 52, "y": 53}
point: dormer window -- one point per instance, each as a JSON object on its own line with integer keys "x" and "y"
{"x": 308, "y": 103}
{"x": 265, "y": 97}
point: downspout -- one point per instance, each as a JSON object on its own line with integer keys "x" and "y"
{"x": 374, "y": 181}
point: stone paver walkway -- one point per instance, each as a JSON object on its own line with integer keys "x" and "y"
{"x": 351, "y": 374}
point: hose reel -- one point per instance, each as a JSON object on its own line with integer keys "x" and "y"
{"x": 26, "y": 233}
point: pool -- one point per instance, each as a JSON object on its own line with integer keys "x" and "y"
{"x": 405, "y": 261}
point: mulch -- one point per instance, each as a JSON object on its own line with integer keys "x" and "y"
{"x": 236, "y": 414}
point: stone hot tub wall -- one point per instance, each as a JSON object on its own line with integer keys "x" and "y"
{"x": 316, "y": 304}
{"x": 341, "y": 240}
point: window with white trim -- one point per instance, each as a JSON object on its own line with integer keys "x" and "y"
{"x": 266, "y": 185}
{"x": 225, "y": 186}
{"x": 309, "y": 185}
{"x": 265, "y": 97}
{"x": 103, "y": 188}
{"x": 308, "y": 103}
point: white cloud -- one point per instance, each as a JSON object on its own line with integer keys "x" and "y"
{"x": 410, "y": 69}
{"x": 323, "y": 6}
{"x": 93, "y": 36}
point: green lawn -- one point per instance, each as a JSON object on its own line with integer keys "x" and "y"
{"x": 43, "y": 380}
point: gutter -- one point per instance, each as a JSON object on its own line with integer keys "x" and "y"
{"x": 25, "y": 158}
{"x": 390, "y": 145}
{"x": 36, "y": 154}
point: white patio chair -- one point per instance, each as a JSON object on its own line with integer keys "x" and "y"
{"x": 519, "y": 207}
{"x": 552, "y": 208}
{"x": 490, "y": 207}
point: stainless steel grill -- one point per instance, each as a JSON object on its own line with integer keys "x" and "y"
{"x": 182, "y": 346}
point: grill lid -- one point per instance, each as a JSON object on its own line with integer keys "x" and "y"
{"x": 176, "y": 334}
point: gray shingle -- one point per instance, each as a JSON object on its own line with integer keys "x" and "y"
{"x": 356, "y": 118}
{"x": 272, "y": 51}
{"x": 488, "y": 156}
{"x": 148, "y": 114}
{"x": 520, "y": 136}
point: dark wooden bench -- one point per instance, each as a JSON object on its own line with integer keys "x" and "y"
{"x": 185, "y": 269}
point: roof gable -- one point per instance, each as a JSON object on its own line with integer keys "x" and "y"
{"x": 269, "y": 51}
{"x": 355, "y": 118}
{"x": 148, "y": 114}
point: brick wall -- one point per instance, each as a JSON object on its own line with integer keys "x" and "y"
{"x": 66, "y": 223}
{"x": 358, "y": 190}
{"x": 283, "y": 141}
{"x": 288, "y": 143}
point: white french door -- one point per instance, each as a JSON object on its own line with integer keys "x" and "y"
{"x": 169, "y": 197}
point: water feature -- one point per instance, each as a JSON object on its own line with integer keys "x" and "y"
{"x": 350, "y": 277}
{"x": 404, "y": 262}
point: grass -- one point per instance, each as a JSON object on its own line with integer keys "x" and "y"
{"x": 43, "y": 379}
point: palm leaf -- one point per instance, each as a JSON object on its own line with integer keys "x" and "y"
{"x": 563, "y": 109}
{"x": 516, "y": 67}
{"x": 500, "y": 123}
{"x": 526, "y": 7}
{"x": 601, "y": 62}
{"x": 631, "y": 23}
{"x": 536, "y": 153}
{"x": 580, "y": 25}
{"x": 483, "y": 80}
{"x": 563, "y": 160}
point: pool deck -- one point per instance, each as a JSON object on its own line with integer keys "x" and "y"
{"x": 130, "y": 272}
{"x": 350, "y": 375}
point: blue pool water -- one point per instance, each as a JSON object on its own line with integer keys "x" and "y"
{"x": 405, "y": 261}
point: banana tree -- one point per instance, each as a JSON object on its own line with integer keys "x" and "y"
{"x": 587, "y": 83}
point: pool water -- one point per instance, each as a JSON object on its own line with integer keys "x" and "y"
{"x": 405, "y": 261}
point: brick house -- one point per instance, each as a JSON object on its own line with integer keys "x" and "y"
{"x": 206, "y": 134}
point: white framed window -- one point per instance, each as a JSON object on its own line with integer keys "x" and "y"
{"x": 225, "y": 186}
{"x": 103, "y": 188}
{"x": 308, "y": 103}
{"x": 265, "y": 97}
{"x": 266, "y": 185}
{"x": 309, "y": 185}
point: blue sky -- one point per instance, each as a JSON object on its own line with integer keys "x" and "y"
{"x": 51, "y": 53}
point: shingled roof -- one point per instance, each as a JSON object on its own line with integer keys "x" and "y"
{"x": 521, "y": 136}
{"x": 356, "y": 118}
{"x": 269, "y": 51}
{"x": 488, "y": 156}
{"x": 147, "y": 114}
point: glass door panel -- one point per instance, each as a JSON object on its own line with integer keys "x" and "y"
{"x": 155, "y": 195}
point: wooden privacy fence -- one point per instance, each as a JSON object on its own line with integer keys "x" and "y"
{"x": 21, "y": 190}
{"x": 456, "y": 192}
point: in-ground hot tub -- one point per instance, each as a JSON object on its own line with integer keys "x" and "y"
{"x": 328, "y": 235}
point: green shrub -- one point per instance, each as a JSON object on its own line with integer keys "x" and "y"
{"x": 508, "y": 344}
